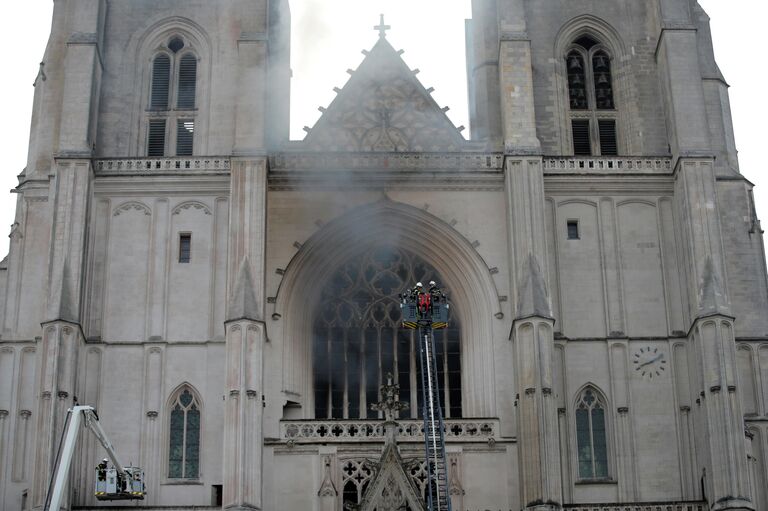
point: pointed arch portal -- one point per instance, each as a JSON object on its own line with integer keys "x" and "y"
{"x": 411, "y": 233}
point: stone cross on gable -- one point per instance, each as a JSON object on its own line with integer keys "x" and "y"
{"x": 381, "y": 27}
{"x": 390, "y": 402}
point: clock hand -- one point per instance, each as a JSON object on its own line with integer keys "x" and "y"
{"x": 650, "y": 361}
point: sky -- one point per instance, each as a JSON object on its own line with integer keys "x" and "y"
{"x": 328, "y": 39}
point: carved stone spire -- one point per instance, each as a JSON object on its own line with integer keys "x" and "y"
{"x": 533, "y": 299}
{"x": 243, "y": 303}
{"x": 62, "y": 306}
{"x": 712, "y": 297}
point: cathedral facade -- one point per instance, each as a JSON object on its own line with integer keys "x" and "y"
{"x": 226, "y": 298}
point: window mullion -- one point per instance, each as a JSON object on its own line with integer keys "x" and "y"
{"x": 379, "y": 349}
{"x": 345, "y": 402}
{"x": 362, "y": 412}
{"x": 329, "y": 413}
{"x": 591, "y": 440}
{"x": 414, "y": 379}
{"x": 594, "y": 134}
{"x": 446, "y": 386}
{"x": 184, "y": 447}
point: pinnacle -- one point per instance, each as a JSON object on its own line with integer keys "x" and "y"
{"x": 243, "y": 303}
{"x": 533, "y": 299}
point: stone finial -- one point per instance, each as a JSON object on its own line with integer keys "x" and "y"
{"x": 243, "y": 303}
{"x": 532, "y": 296}
{"x": 390, "y": 402}
{"x": 712, "y": 297}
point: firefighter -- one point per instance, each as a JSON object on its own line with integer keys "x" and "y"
{"x": 424, "y": 300}
{"x": 101, "y": 470}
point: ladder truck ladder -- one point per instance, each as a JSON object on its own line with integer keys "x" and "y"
{"x": 427, "y": 310}
{"x": 434, "y": 439}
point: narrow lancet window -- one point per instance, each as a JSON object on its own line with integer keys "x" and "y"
{"x": 591, "y": 436}
{"x": 184, "y": 437}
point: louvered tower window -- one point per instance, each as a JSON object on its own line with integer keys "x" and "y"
{"x": 172, "y": 109}
{"x": 591, "y": 99}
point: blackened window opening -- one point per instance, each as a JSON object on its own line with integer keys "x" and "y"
{"x": 573, "y": 229}
{"x": 185, "y": 248}
{"x": 601, "y": 67}
{"x": 577, "y": 81}
{"x": 357, "y": 339}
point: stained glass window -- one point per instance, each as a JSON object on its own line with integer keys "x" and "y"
{"x": 184, "y": 438}
{"x": 358, "y": 339}
{"x": 591, "y": 436}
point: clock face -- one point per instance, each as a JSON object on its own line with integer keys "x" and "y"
{"x": 650, "y": 362}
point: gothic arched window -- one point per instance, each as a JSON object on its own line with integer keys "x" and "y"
{"x": 357, "y": 338}
{"x": 591, "y": 98}
{"x": 172, "y": 100}
{"x": 591, "y": 435}
{"x": 184, "y": 436}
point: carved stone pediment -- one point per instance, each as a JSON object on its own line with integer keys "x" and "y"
{"x": 391, "y": 489}
{"x": 383, "y": 108}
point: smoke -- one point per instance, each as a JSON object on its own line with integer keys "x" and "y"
{"x": 328, "y": 37}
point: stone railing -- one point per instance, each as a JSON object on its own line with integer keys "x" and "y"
{"x": 173, "y": 165}
{"x": 607, "y": 165}
{"x": 411, "y": 430}
{"x": 387, "y": 161}
{"x": 641, "y": 506}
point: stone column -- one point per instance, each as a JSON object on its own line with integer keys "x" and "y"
{"x": 538, "y": 439}
{"x": 516, "y": 80}
{"x": 533, "y": 336}
{"x": 719, "y": 419}
{"x": 483, "y": 72}
{"x": 243, "y": 435}
{"x": 62, "y": 333}
{"x": 722, "y": 421}
{"x": 681, "y": 79}
{"x": 82, "y": 73}
{"x": 57, "y": 359}
{"x": 245, "y": 333}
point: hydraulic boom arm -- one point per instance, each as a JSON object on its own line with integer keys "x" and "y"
{"x": 86, "y": 415}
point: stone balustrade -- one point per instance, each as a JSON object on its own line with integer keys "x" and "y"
{"x": 640, "y": 506}
{"x": 411, "y": 430}
{"x": 607, "y": 165}
{"x": 134, "y": 166}
{"x": 470, "y": 161}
